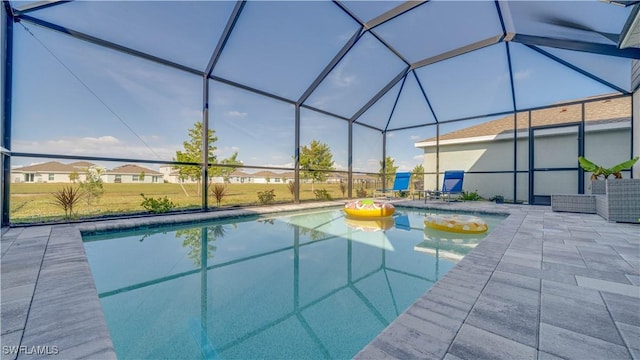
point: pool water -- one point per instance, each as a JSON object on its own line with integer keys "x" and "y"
{"x": 293, "y": 286}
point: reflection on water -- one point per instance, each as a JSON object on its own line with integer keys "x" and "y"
{"x": 311, "y": 285}
{"x": 449, "y": 246}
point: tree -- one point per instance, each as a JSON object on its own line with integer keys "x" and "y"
{"x": 141, "y": 176}
{"x": 225, "y": 172}
{"x": 192, "y": 239}
{"x": 417, "y": 177}
{"x": 193, "y": 153}
{"x": 388, "y": 169}
{"x": 93, "y": 185}
{"x": 74, "y": 176}
{"x": 315, "y": 160}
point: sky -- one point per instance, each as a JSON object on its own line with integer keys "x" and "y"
{"x": 74, "y": 98}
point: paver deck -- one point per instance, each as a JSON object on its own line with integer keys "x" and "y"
{"x": 543, "y": 285}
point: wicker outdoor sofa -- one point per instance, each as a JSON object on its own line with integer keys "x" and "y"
{"x": 615, "y": 200}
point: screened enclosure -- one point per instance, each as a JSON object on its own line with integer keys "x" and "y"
{"x": 206, "y": 104}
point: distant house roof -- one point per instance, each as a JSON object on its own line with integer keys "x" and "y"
{"x": 130, "y": 169}
{"x": 82, "y": 164}
{"x": 596, "y": 112}
{"x": 51, "y": 166}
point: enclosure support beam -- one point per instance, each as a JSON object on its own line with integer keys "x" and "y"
{"x": 6, "y": 45}
{"x": 332, "y": 64}
{"x": 603, "y": 49}
{"x": 205, "y": 143}
{"x": 350, "y": 162}
{"x": 380, "y": 94}
{"x": 575, "y": 68}
{"x": 437, "y": 156}
{"x": 296, "y": 165}
{"x": 395, "y": 103}
{"x": 107, "y": 44}
{"x": 515, "y": 121}
{"x": 581, "y": 139}
{"x": 222, "y": 42}
{"x": 384, "y": 161}
{"x": 459, "y": 51}
{"x": 392, "y": 14}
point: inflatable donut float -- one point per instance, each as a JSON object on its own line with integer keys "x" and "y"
{"x": 368, "y": 209}
{"x": 465, "y": 224}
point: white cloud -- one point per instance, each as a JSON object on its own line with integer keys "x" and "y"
{"x": 281, "y": 165}
{"x": 106, "y": 146}
{"x": 521, "y": 75}
{"x": 237, "y": 114}
{"x": 419, "y": 157}
{"x": 340, "y": 79}
{"x": 415, "y": 137}
{"x": 225, "y": 152}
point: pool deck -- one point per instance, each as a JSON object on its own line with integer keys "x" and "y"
{"x": 543, "y": 285}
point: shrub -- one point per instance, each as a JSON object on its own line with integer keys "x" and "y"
{"x": 471, "y": 196}
{"x": 66, "y": 198}
{"x": 361, "y": 193}
{"x": 219, "y": 191}
{"x": 343, "y": 188}
{"x": 267, "y": 196}
{"x": 292, "y": 187}
{"x": 322, "y": 194}
{"x": 157, "y": 206}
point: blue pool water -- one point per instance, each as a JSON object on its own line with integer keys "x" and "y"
{"x": 294, "y": 286}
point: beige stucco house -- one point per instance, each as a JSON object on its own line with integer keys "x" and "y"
{"x": 485, "y": 148}
{"x": 57, "y": 172}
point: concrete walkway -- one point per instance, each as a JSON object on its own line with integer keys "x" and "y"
{"x": 543, "y": 285}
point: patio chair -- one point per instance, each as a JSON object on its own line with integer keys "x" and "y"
{"x": 451, "y": 185}
{"x": 401, "y": 183}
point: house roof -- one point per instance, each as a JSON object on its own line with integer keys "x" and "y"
{"x": 51, "y": 166}
{"x": 596, "y": 112}
{"x": 82, "y": 164}
{"x": 130, "y": 169}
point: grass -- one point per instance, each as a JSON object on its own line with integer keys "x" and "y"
{"x": 35, "y": 202}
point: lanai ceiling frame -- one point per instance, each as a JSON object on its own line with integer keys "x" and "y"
{"x": 369, "y": 26}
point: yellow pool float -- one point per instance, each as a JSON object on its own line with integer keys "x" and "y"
{"x": 465, "y": 224}
{"x": 368, "y": 209}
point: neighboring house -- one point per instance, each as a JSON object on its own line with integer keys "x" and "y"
{"x": 269, "y": 177}
{"x": 482, "y": 147}
{"x": 48, "y": 172}
{"x": 56, "y": 172}
{"x": 172, "y": 175}
{"x": 130, "y": 173}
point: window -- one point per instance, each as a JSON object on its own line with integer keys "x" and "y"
{"x": 52, "y": 177}
{"x": 28, "y": 177}
{"x": 118, "y": 179}
{"x": 154, "y": 179}
{"x": 135, "y": 178}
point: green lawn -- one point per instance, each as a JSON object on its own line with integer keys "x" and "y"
{"x": 35, "y": 202}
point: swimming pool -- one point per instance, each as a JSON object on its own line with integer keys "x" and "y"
{"x": 299, "y": 285}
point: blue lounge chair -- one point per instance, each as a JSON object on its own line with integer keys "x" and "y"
{"x": 451, "y": 185}
{"x": 401, "y": 183}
